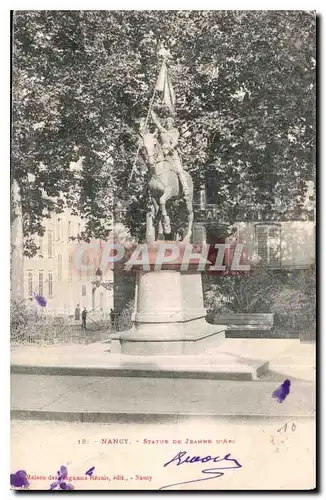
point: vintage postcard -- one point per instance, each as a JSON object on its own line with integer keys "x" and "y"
{"x": 163, "y": 300}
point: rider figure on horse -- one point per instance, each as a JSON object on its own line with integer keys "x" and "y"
{"x": 169, "y": 140}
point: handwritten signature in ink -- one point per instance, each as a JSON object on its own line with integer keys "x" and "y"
{"x": 182, "y": 458}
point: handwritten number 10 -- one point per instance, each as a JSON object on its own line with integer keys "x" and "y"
{"x": 284, "y": 428}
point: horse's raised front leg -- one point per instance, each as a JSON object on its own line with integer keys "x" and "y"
{"x": 168, "y": 193}
{"x": 160, "y": 233}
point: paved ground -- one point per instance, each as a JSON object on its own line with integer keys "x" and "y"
{"x": 101, "y": 398}
{"x": 79, "y": 396}
{"x": 289, "y": 351}
{"x": 286, "y": 357}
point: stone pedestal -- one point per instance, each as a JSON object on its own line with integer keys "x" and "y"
{"x": 169, "y": 316}
{"x": 167, "y": 296}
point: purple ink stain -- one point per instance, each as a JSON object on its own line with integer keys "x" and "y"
{"x": 63, "y": 473}
{"x": 282, "y": 391}
{"x": 19, "y": 479}
{"x": 90, "y": 471}
{"x": 40, "y": 300}
{"x": 60, "y": 482}
{"x": 66, "y": 486}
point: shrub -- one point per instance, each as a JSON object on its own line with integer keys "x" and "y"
{"x": 290, "y": 295}
{"x": 123, "y": 321}
{"x": 240, "y": 294}
{"x": 22, "y": 320}
{"x": 29, "y": 325}
{"x": 294, "y": 304}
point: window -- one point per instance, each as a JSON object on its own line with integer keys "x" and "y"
{"x": 59, "y": 230}
{"x": 101, "y": 300}
{"x": 69, "y": 230}
{"x": 70, "y": 270}
{"x": 40, "y": 283}
{"x": 268, "y": 244}
{"x": 40, "y": 252}
{"x": 59, "y": 267}
{"x": 212, "y": 188}
{"x": 30, "y": 284}
{"x": 89, "y": 264}
{"x": 274, "y": 245}
{"x": 83, "y": 290}
{"x": 50, "y": 244}
{"x": 50, "y": 284}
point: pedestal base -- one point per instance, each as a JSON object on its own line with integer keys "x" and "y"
{"x": 169, "y": 316}
{"x": 192, "y": 337}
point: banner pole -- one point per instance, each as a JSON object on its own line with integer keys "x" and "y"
{"x": 144, "y": 128}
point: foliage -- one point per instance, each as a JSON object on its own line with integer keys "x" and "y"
{"x": 29, "y": 325}
{"x": 245, "y": 89}
{"x": 123, "y": 320}
{"x": 290, "y": 295}
{"x": 22, "y": 317}
{"x": 242, "y": 293}
{"x": 294, "y": 304}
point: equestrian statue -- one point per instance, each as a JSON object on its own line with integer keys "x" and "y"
{"x": 168, "y": 179}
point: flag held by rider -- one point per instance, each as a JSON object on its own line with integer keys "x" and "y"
{"x": 164, "y": 85}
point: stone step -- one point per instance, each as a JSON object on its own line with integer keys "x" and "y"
{"x": 214, "y": 366}
{"x": 109, "y": 398}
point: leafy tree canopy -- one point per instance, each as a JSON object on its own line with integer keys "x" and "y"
{"x": 245, "y": 94}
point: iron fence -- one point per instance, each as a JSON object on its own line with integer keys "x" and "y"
{"x": 46, "y": 330}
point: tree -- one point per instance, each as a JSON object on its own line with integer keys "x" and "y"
{"x": 245, "y": 88}
{"x": 41, "y": 155}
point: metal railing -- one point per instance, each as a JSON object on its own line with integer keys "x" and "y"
{"x": 47, "y": 330}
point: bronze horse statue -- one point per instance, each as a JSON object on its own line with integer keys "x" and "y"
{"x": 163, "y": 186}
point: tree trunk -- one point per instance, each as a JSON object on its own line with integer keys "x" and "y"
{"x": 17, "y": 244}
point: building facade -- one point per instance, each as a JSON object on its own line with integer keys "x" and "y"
{"x": 280, "y": 243}
{"x": 55, "y": 274}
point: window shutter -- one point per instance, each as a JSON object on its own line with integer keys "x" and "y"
{"x": 40, "y": 283}
{"x": 268, "y": 244}
{"x": 50, "y": 284}
{"x": 30, "y": 284}
{"x": 274, "y": 242}
{"x": 262, "y": 243}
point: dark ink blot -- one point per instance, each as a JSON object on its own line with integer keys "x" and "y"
{"x": 90, "y": 471}
{"x": 40, "y": 300}
{"x": 282, "y": 391}
{"x": 19, "y": 479}
{"x": 60, "y": 483}
{"x": 63, "y": 473}
{"x": 66, "y": 486}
